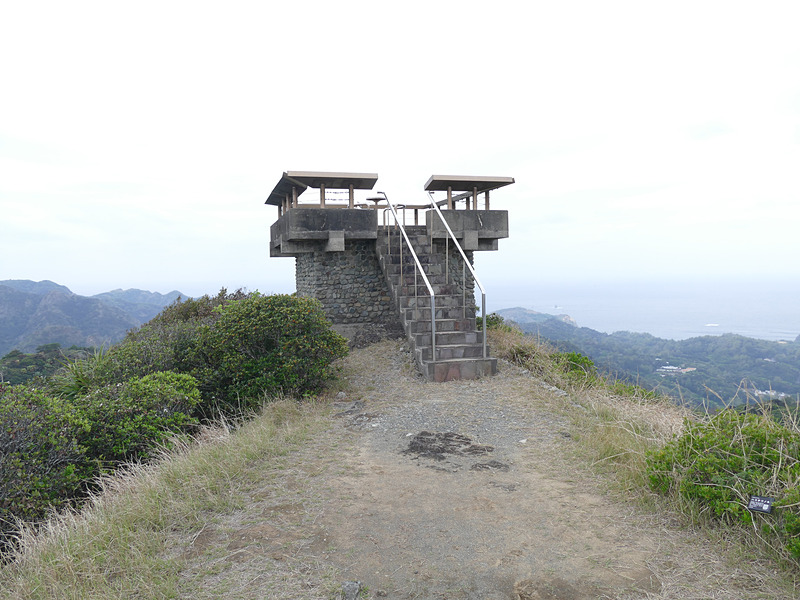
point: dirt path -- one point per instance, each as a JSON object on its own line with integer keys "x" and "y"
{"x": 463, "y": 490}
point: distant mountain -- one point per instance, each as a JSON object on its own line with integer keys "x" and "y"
{"x": 525, "y": 315}
{"x": 33, "y": 314}
{"x": 35, "y": 287}
{"x": 707, "y": 370}
{"x": 141, "y": 304}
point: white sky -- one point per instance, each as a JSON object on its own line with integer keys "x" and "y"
{"x": 139, "y": 140}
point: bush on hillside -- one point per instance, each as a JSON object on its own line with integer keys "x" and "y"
{"x": 719, "y": 463}
{"x": 17, "y": 367}
{"x": 494, "y": 322}
{"x": 238, "y": 346}
{"x": 77, "y": 377}
{"x": 41, "y": 462}
{"x": 267, "y": 345}
{"x": 165, "y": 343}
{"x": 579, "y": 369}
{"x": 197, "y": 358}
{"x": 131, "y": 421}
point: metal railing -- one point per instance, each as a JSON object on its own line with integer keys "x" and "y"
{"x": 465, "y": 263}
{"x": 417, "y": 269}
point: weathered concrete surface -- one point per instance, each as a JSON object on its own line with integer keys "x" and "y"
{"x": 320, "y": 230}
{"x": 475, "y": 229}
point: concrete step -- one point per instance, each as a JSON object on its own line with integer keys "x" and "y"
{"x": 442, "y": 300}
{"x": 431, "y": 270}
{"x": 442, "y": 325}
{"x": 447, "y": 337}
{"x": 440, "y": 289}
{"x": 408, "y": 277}
{"x": 442, "y": 312}
{"x": 459, "y": 350}
{"x": 449, "y": 370}
{"x": 451, "y": 351}
{"x": 407, "y": 259}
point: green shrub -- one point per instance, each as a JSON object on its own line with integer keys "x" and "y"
{"x": 266, "y": 345}
{"x": 78, "y": 377}
{"x": 238, "y": 346}
{"x": 125, "y": 404}
{"x": 41, "y": 462}
{"x": 494, "y": 322}
{"x": 720, "y": 462}
{"x": 196, "y": 310}
{"x": 577, "y": 367}
{"x": 154, "y": 347}
{"x": 131, "y": 421}
{"x": 165, "y": 343}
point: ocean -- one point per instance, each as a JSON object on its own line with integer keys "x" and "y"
{"x": 768, "y": 310}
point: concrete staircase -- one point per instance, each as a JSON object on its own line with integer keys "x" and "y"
{"x": 459, "y": 346}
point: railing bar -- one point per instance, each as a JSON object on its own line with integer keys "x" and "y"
{"x": 466, "y": 262}
{"x": 464, "y": 289}
{"x": 421, "y": 272}
{"x": 447, "y": 259}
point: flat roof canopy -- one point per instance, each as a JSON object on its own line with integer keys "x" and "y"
{"x": 465, "y": 183}
{"x": 301, "y": 180}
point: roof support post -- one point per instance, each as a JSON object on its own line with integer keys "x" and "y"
{"x": 322, "y": 195}
{"x": 474, "y": 198}
{"x": 486, "y": 196}
{"x": 352, "y": 196}
{"x": 294, "y": 197}
{"x": 449, "y": 198}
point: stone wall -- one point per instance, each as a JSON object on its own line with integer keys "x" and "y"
{"x": 349, "y": 285}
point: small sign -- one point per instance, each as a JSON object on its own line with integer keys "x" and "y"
{"x": 760, "y": 504}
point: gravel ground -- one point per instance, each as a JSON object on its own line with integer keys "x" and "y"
{"x": 465, "y": 490}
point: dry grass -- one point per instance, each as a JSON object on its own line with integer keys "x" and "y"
{"x": 615, "y": 433}
{"x": 116, "y": 547}
{"x": 615, "y": 430}
{"x": 124, "y": 544}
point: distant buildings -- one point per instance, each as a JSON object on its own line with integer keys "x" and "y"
{"x": 670, "y": 370}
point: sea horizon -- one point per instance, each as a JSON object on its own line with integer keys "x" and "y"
{"x": 676, "y": 310}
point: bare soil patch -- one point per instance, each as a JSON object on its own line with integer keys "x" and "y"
{"x": 462, "y": 490}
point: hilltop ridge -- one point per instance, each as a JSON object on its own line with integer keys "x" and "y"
{"x": 35, "y": 313}
{"x": 505, "y": 504}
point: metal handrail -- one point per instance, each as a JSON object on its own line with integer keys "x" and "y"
{"x": 418, "y": 268}
{"x": 471, "y": 270}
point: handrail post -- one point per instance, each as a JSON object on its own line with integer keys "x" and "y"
{"x": 483, "y": 311}
{"x": 402, "y": 282}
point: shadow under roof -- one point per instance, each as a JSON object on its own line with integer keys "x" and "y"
{"x": 465, "y": 183}
{"x": 301, "y": 180}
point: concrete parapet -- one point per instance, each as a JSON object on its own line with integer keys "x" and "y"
{"x": 303, "y": 230}
{"x": 475, "y": 229}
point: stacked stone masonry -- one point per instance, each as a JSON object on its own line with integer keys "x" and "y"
{"x": 349, "y": 284}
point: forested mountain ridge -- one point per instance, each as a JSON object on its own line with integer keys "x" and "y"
{"x": 711, "y": 370}
{"x": 141, "y": 304}
{"x": 33, "y": 314}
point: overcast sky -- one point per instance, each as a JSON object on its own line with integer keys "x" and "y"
{"x": 139, "y": 140}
